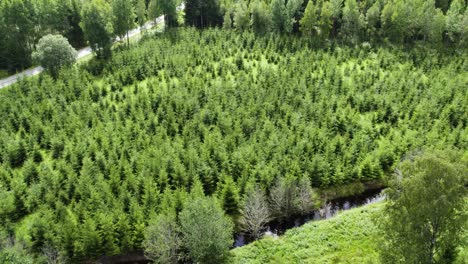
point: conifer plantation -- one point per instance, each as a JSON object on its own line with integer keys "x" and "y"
{"x": 172, "y": 144}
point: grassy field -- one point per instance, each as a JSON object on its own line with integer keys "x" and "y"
{"x": 349, "y": 237}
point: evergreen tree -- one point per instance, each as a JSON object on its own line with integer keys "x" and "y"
{"x": 229, "y": 198}
{"x": 279, "y": 15}
{"x": 453, "y": 23}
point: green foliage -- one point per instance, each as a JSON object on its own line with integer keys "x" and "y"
{"x": 227, "y": 20}
{"x": 162, "y": 239}
{"x": 141, "y": 12}
{"x": 53, "y": 52}
{"x": 203, "y": 13}
{"x": 349, "y": 237}
{"x": 168, "y": 8}
{"x": 98, "y": 157}
{"x": 454, "y": 21}
{"x": 261, "y": 17}
{"x": 17, "y": 33}
{"x": 229, "y": 197}
{"x": 352, "y": 21}
{"x": 428, "y": 195}
{"x": 97, "y": 27}
{"x": 206, "y": 231}
{"x": 123, "y": 18}
{"x": 241, "y": 17}
{"x": 23, "y": 23}
{"x": 279, "y": 15}
{"x": 14, "y": 253}
{"x": 310, "y": 19}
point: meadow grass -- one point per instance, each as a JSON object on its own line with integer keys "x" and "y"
{"x": 350, "y": 237}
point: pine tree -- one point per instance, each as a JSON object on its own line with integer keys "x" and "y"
{"x": 229, "y": 197}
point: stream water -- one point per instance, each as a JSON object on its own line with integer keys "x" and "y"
{"x": 276, "y": 228}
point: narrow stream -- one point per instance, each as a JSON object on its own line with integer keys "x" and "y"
{"x": 277, "y": 228}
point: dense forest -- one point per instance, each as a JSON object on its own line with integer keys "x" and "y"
{"x": 251, "y": 112}
{"x": 86, "y": 161}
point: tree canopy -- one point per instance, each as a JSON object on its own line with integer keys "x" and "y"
{"x": 54, "y": 52}
{"x": 426, "y": 210}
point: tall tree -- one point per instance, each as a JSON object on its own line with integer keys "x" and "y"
{"x": 141, "y": 12}
{"x": 373, "y": 23}
{"x": 255, "y": 212}
{"x": 203, "y": 13}
{"x": 96, "y": 24}
{"x": 18, "y": 18}
{"x": 352, "y": 21}
{"x": 162, "y": 239}
{"x": 336, "y": 8}
{"x": 453, "y": 23}
{"x": 206, "y": 231}
{"x": 294, "y": 13}
{"x": 310, "y": 19}
{"x": 279, "y": 15}
{"x": 426, "y": 209}
{"x": 123, "y": 18}
{"x": 241, "y": 16}
{"x": 169, "y": 10}
{"x": 261, "y": 17}
{"x": 229, "y": 197}
{"x": 227, "y": 20}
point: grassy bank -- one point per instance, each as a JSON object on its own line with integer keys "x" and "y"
{"x": 349, "y": 237}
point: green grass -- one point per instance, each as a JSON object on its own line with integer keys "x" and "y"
{"x": 349, "y": 237}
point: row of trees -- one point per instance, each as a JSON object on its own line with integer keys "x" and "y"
{"x": 93, "y": 22}
{"x": 23, "y": 23}
{"x": 353, "y": 20}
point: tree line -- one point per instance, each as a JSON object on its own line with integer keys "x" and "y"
{"x": 91, "y": 22}
{"x": 98, "y": 22}
{"x": 354, "y": 21}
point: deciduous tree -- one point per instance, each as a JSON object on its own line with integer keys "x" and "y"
{"x": 54, "y": 52}
{"x": 163, "y": 239}
{"x": 123, "y": 18}
{"x": 255, "y": 212}
{"x": 426, "y": 208}
{"x": 96, "y": 24}
{"x": 206, "y": 231}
